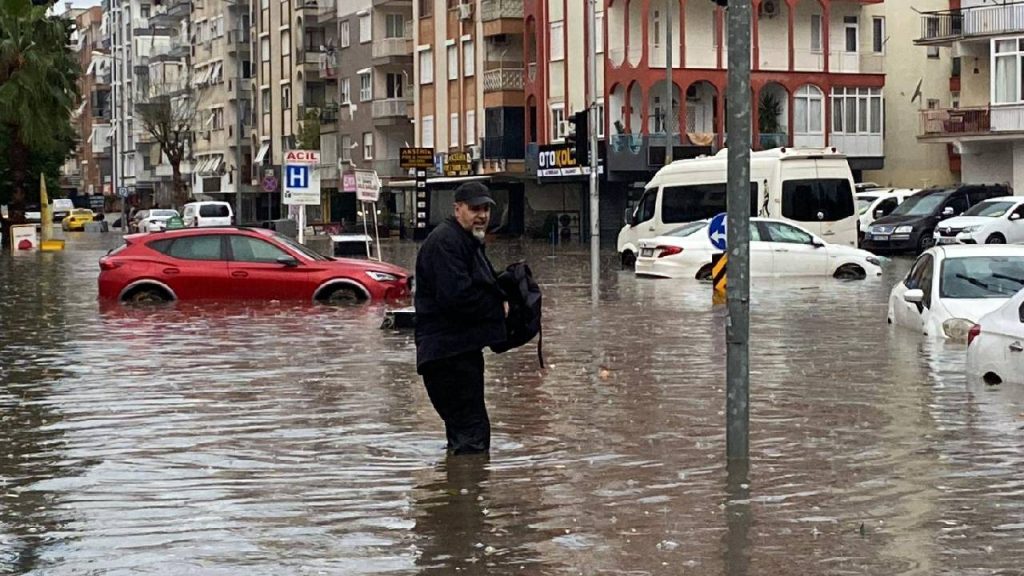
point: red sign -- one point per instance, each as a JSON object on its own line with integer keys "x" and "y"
{"x": 348, "y": 182}
{"x": 302, "y": 157}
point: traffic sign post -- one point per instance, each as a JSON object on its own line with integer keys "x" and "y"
{"x": 301, "y": 183}
{"x": 718, "y": 231}
{"x": 419, "y": 160}
{"x": 368, "y": 192}
{"x": 718, "y": 236}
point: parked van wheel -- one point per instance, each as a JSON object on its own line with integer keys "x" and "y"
{"x": 628, "y": 260}
{"x": 850, "y": 272}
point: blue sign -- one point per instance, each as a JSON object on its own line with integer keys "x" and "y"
{"x": 716, "y": 231}
{"x": 296, "y": 176}
{"x": 122, "y": 191}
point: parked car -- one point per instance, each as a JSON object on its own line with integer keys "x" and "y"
{"x": 995, "y": 345}
{"x": 77, "y": 219}
{"x": 203, "y": 214}
{"x": 777, "y": 249}
{"x": 911, "y": 226}
{"x": 949, "y": 288}
{"x": 33, "y": 213}
{"x": 155, "y": 219}
{"x": 240, "y": 264}
{"x": 62, "y": 207}
{"x": 995, "y": 221}
{"x": 878, "y": 202}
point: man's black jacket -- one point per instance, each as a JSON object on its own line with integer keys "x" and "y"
{"x": 459, "y": 306}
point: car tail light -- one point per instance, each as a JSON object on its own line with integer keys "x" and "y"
{"x": 668, "y": 251}
{"x": 108, "y": 264}
{"x": 973, "y": 333}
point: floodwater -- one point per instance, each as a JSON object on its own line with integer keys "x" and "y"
{"x": 266, "y": 440}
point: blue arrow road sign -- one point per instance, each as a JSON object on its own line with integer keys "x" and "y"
{"x": 716, "y": 231}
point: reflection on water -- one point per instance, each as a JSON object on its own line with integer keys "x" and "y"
{"x": 283, "y": 439}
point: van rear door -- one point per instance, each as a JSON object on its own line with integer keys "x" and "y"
{"x": 820, "y": 200}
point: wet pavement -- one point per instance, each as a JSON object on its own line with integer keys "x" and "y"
{"x": 273, "y": 439}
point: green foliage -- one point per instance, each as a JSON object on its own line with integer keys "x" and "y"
{"x": 768, "y": 112}
{"x": 308, "y": 136}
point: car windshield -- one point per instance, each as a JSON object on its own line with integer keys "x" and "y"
{"x": 81, "y": 212}
{"x": 684, "y": 231}
{"x": 163, "y": 213}
{"x": 919, "y": 205}
{"x": 864, "y": 202}
{"x": 214, "y": 211}
{"x": 982, "y": 277}
{"x": 991, "y": 209}
{"x": 300, "y": 248}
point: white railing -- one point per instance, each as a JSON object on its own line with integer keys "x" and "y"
{"x": 497, "y": 9}
{"x": 809, "y": 60}
{"x": 859, "y": 145}
{"x": 986, "y": 20}
{"x": 804, "y": 140}
{"x": 656, "y": 56}
{"x": 1007, "y": 118}
{"x": 391, "y": 107}
{"x": 701, "y": 56}
{"x": 772, "y": 58}
{"x": 856, "y": 62}
{"x": 500, "y": 79}
{"x": 389, "y": 47}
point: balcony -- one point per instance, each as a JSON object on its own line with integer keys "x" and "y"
{"x": 643, "y": 152}
{"x": 502, "y": 79}
{"x": 951, "y": 124}
{"x": 947, "y": 26}
{"x": 859, "y": 145}
{"x": 502, "y": 17}
{"x": 391, "y": 110}
{"x": 392, "y": 49}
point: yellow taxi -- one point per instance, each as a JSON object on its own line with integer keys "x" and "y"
{"x": 76, "y": 219}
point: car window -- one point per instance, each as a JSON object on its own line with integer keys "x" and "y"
{"x": 917, "y": 271}
{"x": 305, "y": 250}
{"x": 958, "y": 203}
{"x": 827, "y": 200}
{"x": 885, "y": 207}
{"x": 248, "y": 249}
{"x": 646, "y": 211}
{"x": 206, "y": 247}
{"x": 161, "y": 246}
{"x": 864, "y": 202}
{"x": 982, "y": 277}
{"x": 780, "y": 232}
{"x": 164, "y": 213}
{"x": 755, "y": 232}
{"x": 687, "y": 229}
{"x": 989, "y": 208}
{"x": 214, "y": 211}
{"x": 919, "y": 205}
{"x": 698, "y": 202}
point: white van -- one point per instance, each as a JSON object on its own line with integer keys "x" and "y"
{"x": 812, "y": 187}
{"x": 206, "y": 214}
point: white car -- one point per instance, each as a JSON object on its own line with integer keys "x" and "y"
{"x": 995, "y": 345}
{"x": 156, "y": 219}
{"x": 874, "y": 203}
{"x": 777, "y": 249}
{"x": 949, "y": 288}
{"x": 996, "y": 221}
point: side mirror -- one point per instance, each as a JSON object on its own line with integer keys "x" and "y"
{"x": 818, "y": 243}
{"x": 1015, "y": 216}
{"x": 879, "y": 214}
{"x": 289, "y": 261}
{"x": 627, "y": 217}
{"x": 948, "y": 211}
{"x": 915, "y": 296}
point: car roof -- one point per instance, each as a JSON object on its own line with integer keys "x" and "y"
{"x": 968, "y": 250}
{"x": 181, "y": 232}
{"x": 1004, "y": 199}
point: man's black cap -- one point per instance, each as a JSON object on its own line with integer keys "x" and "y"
{"x": 474, "y": 194}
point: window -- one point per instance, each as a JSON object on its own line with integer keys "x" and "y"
{"x": 453, "y": 131}
{"x": 656, "y": 28}
{"x": 933, "y": 52}
{"x": 346, "y": 148}
{"x": 426, "y": 8}
{"x": 557, "y": 122}
{"x": 144, "y": 12}
{"x": 427, "y": 132}
{"x": 218, "y": 210}
{"x": 815, "y": 32}
{"x": 247, "y": 70}
{"x": 365, "y": 87}
{"x": 1006, "y": 73}
{"x": 217, "y": 117}
{"x": 878, "y": 34}
{"x": 365, "y": 29}
{"x": 647, "y": 205}
{"x": 394, "y": 85}
{"x": 557, "y": 50}
{"x": 453, "y": 62}
{"x": 820, "y": 200}
{"x": 286, "y": 43}
{"x": 367, "y": 145}
{"x": 807, "y": 110}
{"x": 851, "y": 33}
{"x": 345, "y": 34}
{"x": 394, "y": 26}
{"x": 346, "y": 91}
{"x": 286, "y": 97}
{"x": 933, "y": 103}
{"x": 197, "y": 248}
{"x": 599, "y": 36}
{"x": 265, "y": 100}
{"x": 786, "y": 234}
{"x": 468, "y": 59}
{"x": 471, "y": 127}
{"x": 265, "y": 49}
{"x": 689, "y": 203}
{"x": 426, "y": 66}
{"x": 857, "y": 110}
{"x": 246, "y": 249}
{"x": 600, "y": 118}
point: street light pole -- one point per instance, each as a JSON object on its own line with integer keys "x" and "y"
{"x": 669, "y": 129}
{"x": 239, "y": 121}
{"x": 593, "y": 120}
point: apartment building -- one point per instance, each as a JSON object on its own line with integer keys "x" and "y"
{"x": 88, "y": 172}
{"x": 468, "y": 98}
{"x": 984, "y": 120}
{"x": 817, "y": 76}
{"x": 222, "y": 84}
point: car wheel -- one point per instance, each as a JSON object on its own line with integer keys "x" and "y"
{"x": 704, "y": 273}
{"x": 147, "y": 295}
{"x": 628, "y": 260}
{"x": 926, "y": 241}
{"x": 995, "y": 239}
{"x": 344, "y": 296}
{"x": 850, "y": 272}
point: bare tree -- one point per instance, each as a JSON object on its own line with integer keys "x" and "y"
{"x": 168, "y": 113}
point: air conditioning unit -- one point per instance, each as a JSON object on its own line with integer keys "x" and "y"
{"x": 769, "y": 9}
{"x": 465, "y": 11}
{"x": 474, "y": 152}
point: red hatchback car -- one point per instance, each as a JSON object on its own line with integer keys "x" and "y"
{"x": 240, "y": 264}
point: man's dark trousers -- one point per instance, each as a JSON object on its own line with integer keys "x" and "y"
{"x": 456, "y": 389}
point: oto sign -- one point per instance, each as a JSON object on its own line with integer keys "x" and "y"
{"x": 301, "y": 179}
{"x": 717, "y": 231}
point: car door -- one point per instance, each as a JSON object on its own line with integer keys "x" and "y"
{"x": 910, "y": 314}
{"x": 884, "y": 207}
{"x": 256, "y": 273}
{"x": 794, "y": 252}
{"x": 761, "y": 258}
{"x": 195, "y": 268}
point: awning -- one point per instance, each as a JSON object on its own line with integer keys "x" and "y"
{"x": 213, "y": 167}
{"x": 264, "y": 148}
{"x": 215, "y": 75}
{"x": 92, "y": 66}
{"x": 363, "y": 71}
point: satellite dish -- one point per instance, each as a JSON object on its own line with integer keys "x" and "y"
{"x": 917, "y": 91}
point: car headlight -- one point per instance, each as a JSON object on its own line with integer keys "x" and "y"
{"x": 381, "y": 276}
{"x": 956, "y": 329}
{"x": 876, "y": 230}
{"x": 903, "y": 230}
{"x": 874, "y": 260}
{"x": 971, "y": 228}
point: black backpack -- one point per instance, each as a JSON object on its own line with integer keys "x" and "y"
{"x": 524, "y": 309}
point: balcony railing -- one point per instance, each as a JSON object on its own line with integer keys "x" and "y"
{"x": 769, "y": 141}
{"x": 497, "y": 9}
{"x": 953, "y": 121}
{"x": 950, "y": 25}
{"x": 392, "y": 47}
{"x": 391, "y": 107}
{"x": 501, "y": 79}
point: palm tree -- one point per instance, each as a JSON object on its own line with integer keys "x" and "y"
{"x": 38, "y": 89}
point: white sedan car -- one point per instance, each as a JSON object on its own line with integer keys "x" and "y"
{"x": 156, "y": 220}
{"x": 995, "y": 221}
{"x": 874, "y": 203}
{"x": 777, "y": 249}
{"x": 995, "y": 346}
{"x": 949, "y": 288}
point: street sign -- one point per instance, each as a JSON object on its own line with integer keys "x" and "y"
{"x": 367, "y": 186}
{"x": 122, "y": 191}
{"x": 717, "y": 231}
{"x": 719, "y": 279}
{"x": 269, "y": 183}
{"x": 348, "y": 182}
{"x": 301, "y": 179}
{"x": 418, "y": 158}
{"x": 458, "y": 164}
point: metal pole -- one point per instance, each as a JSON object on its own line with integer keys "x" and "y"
{"x": 301, "y": 217}
{"x": 366, "y": 233}
{"x": 376, "y": 231}
{"x": 593, "y": 120}
{"x": 738, "y": 235}
{"x": 239, "y": 121}
{"x": 669, "y": 130}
